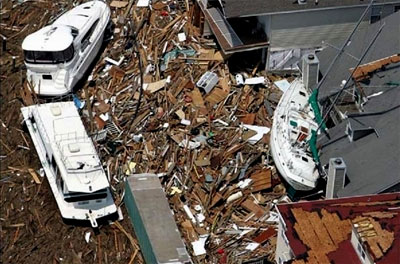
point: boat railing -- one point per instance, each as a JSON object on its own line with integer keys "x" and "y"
{"x": 40, "y": 125}
{"x": 81, "y": 157}
{"x": 72, "y": 138}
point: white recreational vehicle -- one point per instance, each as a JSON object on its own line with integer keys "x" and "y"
{"x": 58, "y": 55}
{"x": 71, "y": 163}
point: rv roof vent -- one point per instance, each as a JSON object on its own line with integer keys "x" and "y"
{"x": 55, "y": 110}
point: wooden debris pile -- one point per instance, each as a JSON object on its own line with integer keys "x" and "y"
{"x": 161, "y": 99}
{"x": 193, "y": 124}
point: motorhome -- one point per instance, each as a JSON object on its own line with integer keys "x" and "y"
{"x": 70, "y": 162}
{"x": 58, "y": 55}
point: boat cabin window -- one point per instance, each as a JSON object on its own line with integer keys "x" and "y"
{"x": 71, "y": 197}
{"x": 74, "y": 32}
{"x": 85, "y": 40}
{"x": 49, "y": 57}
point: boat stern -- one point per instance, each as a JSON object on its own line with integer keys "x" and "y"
{"x": 49, "y": 82}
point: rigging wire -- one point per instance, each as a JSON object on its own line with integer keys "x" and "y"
{"x": 350, "y": 76}
{"x": 345, "y": 43}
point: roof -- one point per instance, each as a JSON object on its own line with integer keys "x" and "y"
{"x": 319, "y": 231}
{"x": 377, "y": 153}
{"x": 153, "y": 221}
{"x": 58, "y": 37}
{"x": 239, "y": 8}
{"x": 73, "y": 150}
{"x": 385, "y": 45}
{"x": 80, "y": 15}
{"x": 49, "y": 38}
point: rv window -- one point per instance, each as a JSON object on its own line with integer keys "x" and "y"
{"x": 29, "y": 56}
{"x": 85, "y": 40}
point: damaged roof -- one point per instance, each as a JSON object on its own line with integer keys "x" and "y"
{"x": 241, "y": 8}
{"x": 384, "y": 46}
{"x": 373, "y": 161}
{"x": 320, "y": 231}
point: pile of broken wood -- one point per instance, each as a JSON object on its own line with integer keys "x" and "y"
{"x": 162, "y": 100}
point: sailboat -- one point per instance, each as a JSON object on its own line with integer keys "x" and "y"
{"x": 298, "y": 120}
{"x": 292, "y": 129}
{"x": 57, "y": 55}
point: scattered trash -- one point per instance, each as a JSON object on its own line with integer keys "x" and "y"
{"x": 87, "y": 236}
{"x": 283, "y": 85}
{"x": 207, "y": 81}
{"x": 255, "y": 80}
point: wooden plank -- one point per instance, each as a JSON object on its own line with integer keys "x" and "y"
{"x": 34, "y": 175}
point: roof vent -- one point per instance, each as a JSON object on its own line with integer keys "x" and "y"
{"x": 356, "y": 131}
{"x": 302, "y": 2}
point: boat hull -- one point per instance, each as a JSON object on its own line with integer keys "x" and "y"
{"x": 87, "y": 211}
{"x": 296, "y": 182}
{"x": 59, "y": 79}
{"x": 290, "y": 132}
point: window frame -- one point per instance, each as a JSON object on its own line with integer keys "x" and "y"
{"x": 85, "y": 41}
{"x": 51, "y": 56}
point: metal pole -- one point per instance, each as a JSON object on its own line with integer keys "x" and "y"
{"x": 344, "y": 45}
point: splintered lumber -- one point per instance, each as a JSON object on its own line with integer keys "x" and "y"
{"x": 261, "y": 180}
{"x": 250, "y": 206}
{"x": 192, "y": 140}
{"x": 34, "y": 175}
{"x": 363, "y": 71}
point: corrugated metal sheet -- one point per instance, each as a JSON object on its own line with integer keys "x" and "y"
{"x": 153, "y": 222}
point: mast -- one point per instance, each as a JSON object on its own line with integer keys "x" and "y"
{"x": 350, "y": 76}
{"x": 313, "y": 100}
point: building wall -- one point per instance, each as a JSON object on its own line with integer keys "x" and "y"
{"x": 361, "y": 252}
{"x": 283, "y": 251}
{"x": 310, "y": 28}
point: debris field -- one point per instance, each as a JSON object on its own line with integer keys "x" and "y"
{"x": 160, "y": 99}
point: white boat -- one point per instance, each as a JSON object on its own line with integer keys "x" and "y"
{"x": 70, "y": 161}
{"x": 290, "y": 133}
{"x": 58, "y": 55}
